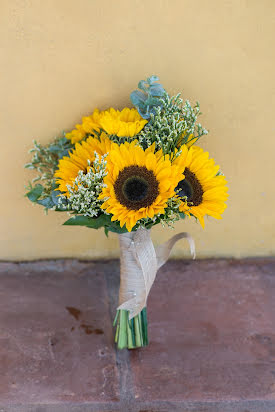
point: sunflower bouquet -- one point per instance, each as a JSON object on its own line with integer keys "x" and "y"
{"x": 127, "y": 171}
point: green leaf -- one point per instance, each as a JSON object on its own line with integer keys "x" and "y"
{"x": 47, "y": 202}
{"x": 92, "y": 222}
{"x": 54, "y": 185}
{"x": 117, "y": 229}
{"x": 63, "y": 140}
{"x": 96, "y": 223}
{"x": 55, "y": 196}
{"x": 34, "y": 194}
{"x": 137, "y": 98}
{"x": 63, "y": 153}
{"x": 142, "y": 85}
{"x": 149, "y": 225}
{"x": 54, "y": 148}
{"x": 153, "y": 101}
{"x": 152, "y": 79}
{"x": 156, "y": 90}
{"x": 182, "y": 215}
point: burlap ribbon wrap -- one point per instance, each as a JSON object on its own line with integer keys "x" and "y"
{"x": 139, "y": 262}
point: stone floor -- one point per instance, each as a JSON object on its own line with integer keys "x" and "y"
{"x": 211, "y": 331}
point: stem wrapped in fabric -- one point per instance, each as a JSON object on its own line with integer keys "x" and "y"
{"x": 139, "y": 262}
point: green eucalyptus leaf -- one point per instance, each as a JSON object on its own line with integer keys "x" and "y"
{"x": 63, "y": 140}
{"x": 137, "y": 97}
{"x": 153, "y": 101}
{"x": 47, "y": 202}
{"x": 63, "y": 153}
{"x": 34, "y": 194}
{"x": 143, "y": 113}
{"x": 55, "y": 195}
{"x": 156, "y": 90}
{"x": 54, "y": 148}
{"x": 142, "y": 85}
{"x": 152, "y": 79}
{"x": 55, "y": 185}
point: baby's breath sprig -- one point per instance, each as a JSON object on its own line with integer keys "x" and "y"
{"x": 83, "y": 194}
{"x": 190, "y": 116}
{"x": 172, "y": 213}
{"x": 172, "y": 125}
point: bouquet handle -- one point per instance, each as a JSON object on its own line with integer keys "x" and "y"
{"x": 139, "y": 262}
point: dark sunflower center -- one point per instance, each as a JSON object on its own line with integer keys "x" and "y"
{"x": 190, "y": 188}
{"x": 136, "y": 187}
{"x": 185, "y": 189}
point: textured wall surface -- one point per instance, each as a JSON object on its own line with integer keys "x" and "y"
{"x": 62, "y": 58}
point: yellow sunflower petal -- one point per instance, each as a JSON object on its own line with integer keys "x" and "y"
{"x": 205, "y": 191}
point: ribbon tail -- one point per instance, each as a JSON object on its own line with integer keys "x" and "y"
{"x": 140, "y": 267}
{"x": 163, "y": 251}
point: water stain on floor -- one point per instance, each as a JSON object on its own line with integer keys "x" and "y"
{"x": 88, "y": 329}
{"x": 74, "y": 312}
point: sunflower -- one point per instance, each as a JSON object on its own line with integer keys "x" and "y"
{"x": 126, "y": 123}
{"x": 69, "y": 166}
{"x": 202, "y": 191}
{"x": 92, "y": 122}
{"x": 89, "y": 125}
{"x": 76, "y": 134}
{"x": 138, "y": 183}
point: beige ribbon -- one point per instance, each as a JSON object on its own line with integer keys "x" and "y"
{"x": 139, "y": 262}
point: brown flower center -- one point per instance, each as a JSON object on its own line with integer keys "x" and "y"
{"x": 136, "y": 187}
{"x": 190, "y": 188}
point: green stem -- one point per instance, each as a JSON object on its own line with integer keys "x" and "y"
{"x": 131, "y": 333}
{"x": 137, "y": 331}
{"x": 122, "y": 334}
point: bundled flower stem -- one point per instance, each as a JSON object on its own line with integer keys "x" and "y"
{"x": 131, "y": 333}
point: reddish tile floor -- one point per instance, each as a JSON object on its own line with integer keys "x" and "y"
{"x": 211, "y": 331}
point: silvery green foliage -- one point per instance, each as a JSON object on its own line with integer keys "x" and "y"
{"x": 45, "y": 162}
{"x": 84, "y": 192}
{"x": 147, "y": 99}
{"x": 171, "y": 125}
{"x": 45, "y": 158}
{"x": 190, "y": 116}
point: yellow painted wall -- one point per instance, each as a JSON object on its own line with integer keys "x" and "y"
{"x": 62, "y": 58}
